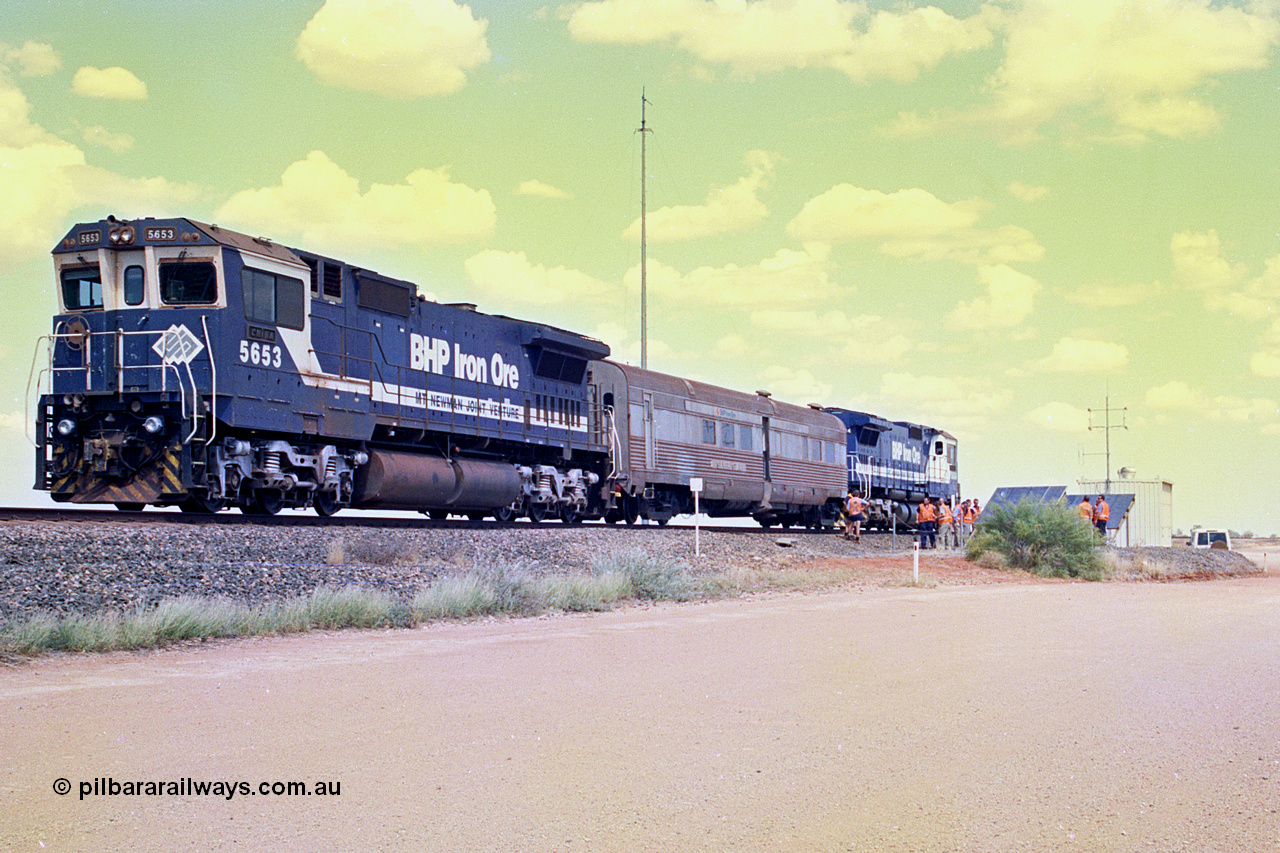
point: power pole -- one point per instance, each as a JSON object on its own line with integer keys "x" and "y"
{"x": 644, "y": 253}
{"x": 1107, "y": 427}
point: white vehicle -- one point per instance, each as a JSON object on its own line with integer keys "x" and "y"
{"x": 1209, "y": 538}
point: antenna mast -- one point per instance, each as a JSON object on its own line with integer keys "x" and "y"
{"x": 1107, "y": 428}
{"x": 644, "y": 253}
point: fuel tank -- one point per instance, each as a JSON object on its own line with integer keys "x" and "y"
{"x": 411, "y": 481}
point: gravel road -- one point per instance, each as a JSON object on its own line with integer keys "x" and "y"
{"x": 1033, "y": 716}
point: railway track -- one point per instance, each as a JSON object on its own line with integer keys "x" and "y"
{"x": 349, "y": 519}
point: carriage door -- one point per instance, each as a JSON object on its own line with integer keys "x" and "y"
{"x": 648, "y": 432}
{"x": 765, "y": 429}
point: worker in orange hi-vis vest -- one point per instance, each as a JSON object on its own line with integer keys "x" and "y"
{"x": 1085, "y": 510}
{"x": 946, "y": 524}
{"x": 927, "y": 522}
{"x": 970, "y": 516}
{"x": 1101, "y": 512}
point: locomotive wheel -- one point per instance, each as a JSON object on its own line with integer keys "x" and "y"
{"x": 537, "y": 512}
{"x": 630, "y": 512}
{"x": 124, "y": 506}
{"x": 570, "y": 515}
{"x": 505, "y": 514}
{"x": 437, "y": 514}
{"x": 268, "y": 501}
{"x": 202, "y": 504}
{"x": 326, "y": 503}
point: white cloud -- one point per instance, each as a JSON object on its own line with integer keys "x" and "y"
{"x": 99, "y": 137}
{"x": 1265, "y": 364}
{"x": 324, "y": 206}
{"x": 1115, "y": 70}
{"x": 1026, "y": 192}
{"x": 33, "y": 59}
{"x": 1009, "y": 300}
{"x": 852, "y": 342}
{"x": 789, "y": 277}
{"x": 114, "y": 84}
{"x": 1199, "y": 264}
{"x": 772, "y": 35}
{"x": 727, "y": 209}
{"x": 1059, "y": 417}
{"x": 1076, "y": 355}
{"x": 1113, "y": 295}
{"x": 43, "y": 179}
{"x": 794, "y": 385}
{"x": 394, "y": 48}
{"x": 510, "y": 276}
{"x": 912, "y": 222}
{"x": 951, "y": 402}
{"x": 1174, "y": 395}
{"x": 538, "y": 188}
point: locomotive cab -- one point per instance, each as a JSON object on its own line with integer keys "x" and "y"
{"x": 127, "y": 361}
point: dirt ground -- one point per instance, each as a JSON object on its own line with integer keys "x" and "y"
{"x": 966, "y": 714}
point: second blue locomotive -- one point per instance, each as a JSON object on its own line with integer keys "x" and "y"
{"x": 896, "y": 465}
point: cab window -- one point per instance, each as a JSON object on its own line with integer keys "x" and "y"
{"x": 274, "y": 300}
{"x": 135, "y": 285}
{"x": 189, "y": 283}
{"x": 82, "y": 288}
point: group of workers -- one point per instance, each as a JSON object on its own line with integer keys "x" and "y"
{"x": 933, "y": 517}
{"x": 1095, "y": 514}
{"x": 953, "y": 523}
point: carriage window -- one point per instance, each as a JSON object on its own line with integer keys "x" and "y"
{"x": 273, "y": 299}
{"x": 726, "y": 435}
{"x": 188, "y": 283}
{"x": 708, "y": 432}
{"x": 744, "y": 437}
{"x": 135, "y": 286}
{"x": 82, "y": 288}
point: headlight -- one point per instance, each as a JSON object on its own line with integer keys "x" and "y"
{"x": 153, "y": 424}
{"x": 66, "y": 427}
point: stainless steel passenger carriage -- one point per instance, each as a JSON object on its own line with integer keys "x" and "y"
{"x": 776, "y": 462}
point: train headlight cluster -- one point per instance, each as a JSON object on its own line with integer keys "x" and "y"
{"x": 66, "y": 427}
{"x": 122, "y": 236}
{"x": 153, "y": 424}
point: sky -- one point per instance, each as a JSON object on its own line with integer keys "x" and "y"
{"x": 997, "y": 218}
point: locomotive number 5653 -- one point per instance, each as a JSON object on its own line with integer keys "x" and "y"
{"x": 266, "y": 355}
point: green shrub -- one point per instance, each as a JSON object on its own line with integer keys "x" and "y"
{"x": 581, "y": 593}
{"x": 1046, "y": 539}
{"x": 650, "y": 577}
{"x": 455, "y": 597}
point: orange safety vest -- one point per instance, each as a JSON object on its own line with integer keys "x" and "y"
{"x": 969, "y": 514}
{"x": 1101, "y": 512}
{"x": 926, "y": 512}
{"x": 946, "y": 514}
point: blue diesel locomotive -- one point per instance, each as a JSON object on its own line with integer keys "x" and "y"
{"x": 194, "y": 366}
{"x": 896, "y": 465}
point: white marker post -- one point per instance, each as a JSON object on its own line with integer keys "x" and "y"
{"x": 915, "y": 565}
{"x": 695, "y": 486}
